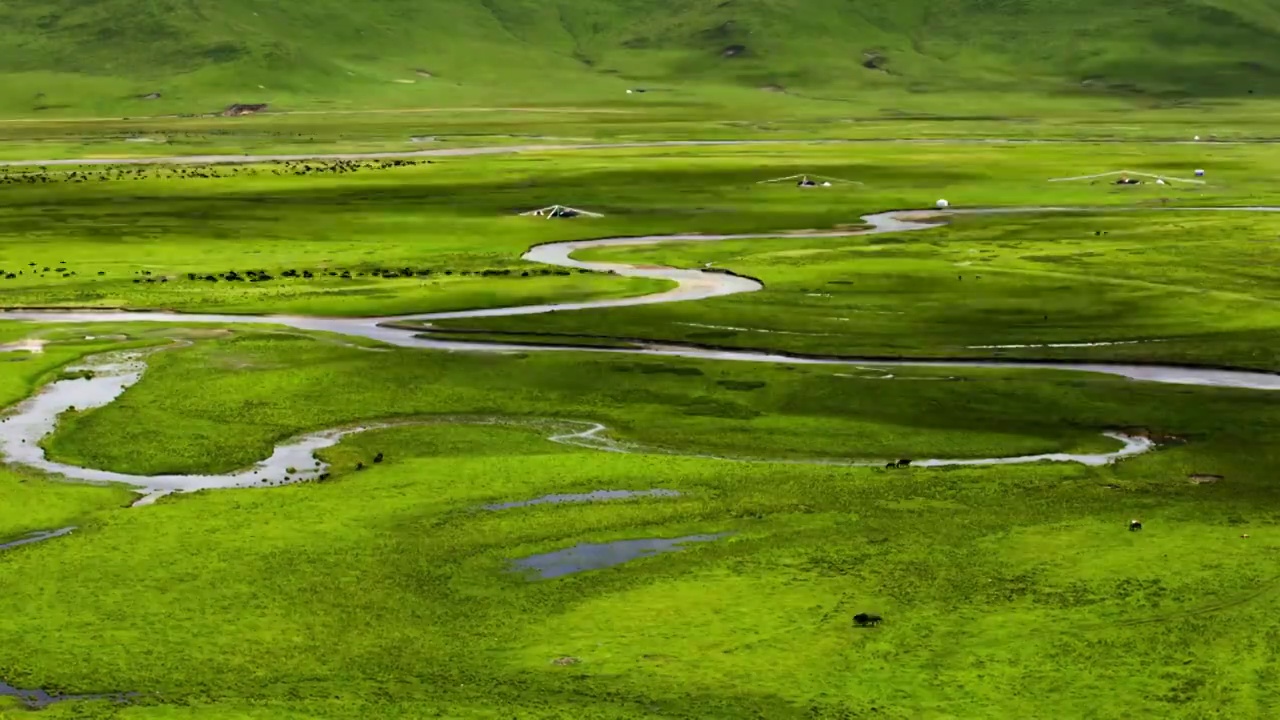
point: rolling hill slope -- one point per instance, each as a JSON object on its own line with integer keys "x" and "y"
{"x": 76, "y": 56}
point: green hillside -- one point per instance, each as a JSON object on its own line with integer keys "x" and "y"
{"x": 67, "y": 57}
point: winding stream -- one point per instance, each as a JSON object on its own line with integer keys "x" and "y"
{"x": 28, "y": 423}
{"x": 690, "y": 285}
{"x": 98, "y": 380}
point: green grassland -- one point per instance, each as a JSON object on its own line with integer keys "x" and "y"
{"x": 386, "y": 592}
{"x": 69, "y": 58}
{"x": 1176, "y": 287}
{"x": 454, "y": 219}
{"x": 961, "y": 118}
{"x": 185, "y": 416}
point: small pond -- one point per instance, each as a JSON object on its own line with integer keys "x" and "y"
{"x": 38, "y": 699}
{"x": 596, "y": 556}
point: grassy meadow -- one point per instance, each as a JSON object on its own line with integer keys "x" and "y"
{"x": 1182, "y": 287}
{"x": 388, "y": 591}
{"x": 453, "y": 224}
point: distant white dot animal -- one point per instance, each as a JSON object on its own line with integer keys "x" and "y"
{"x": 942, "y": 204}
{"x": 1197, "y": 138}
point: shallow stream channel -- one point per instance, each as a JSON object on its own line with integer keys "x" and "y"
{"x": 98, "y": 380}
{"x": 103, "y": 378}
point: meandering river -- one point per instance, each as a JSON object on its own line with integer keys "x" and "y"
{"x": 28, "y": 423}
{"x": 690, "y": 285}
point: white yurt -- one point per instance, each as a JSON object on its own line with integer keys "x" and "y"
{"x": 942, "y": 204}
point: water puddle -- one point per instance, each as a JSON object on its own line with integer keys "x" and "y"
{"x": 39, "y": 699}
{"x": 34, "y": 346}
{"x": 36, "y": 537}
{"x": 594, "y": 496}
{"x": 588, "y": 556}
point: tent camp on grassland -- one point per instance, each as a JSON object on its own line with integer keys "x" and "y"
{"x": 559, "y": 211}
{"x": 1126, "y": 177}
{"x": 810, "y": 180}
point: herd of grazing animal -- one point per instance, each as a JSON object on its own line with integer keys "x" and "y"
{"x": 43, "y": 175}
{"x": 61, "y": 270}
{"x": 260, "y": 276}
{"x": 34, "y": 270}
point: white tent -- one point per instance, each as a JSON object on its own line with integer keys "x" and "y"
{"x": 1127, "y": 173}
{"x": 559, "y": 211}
{"x": 811, "y": 180}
